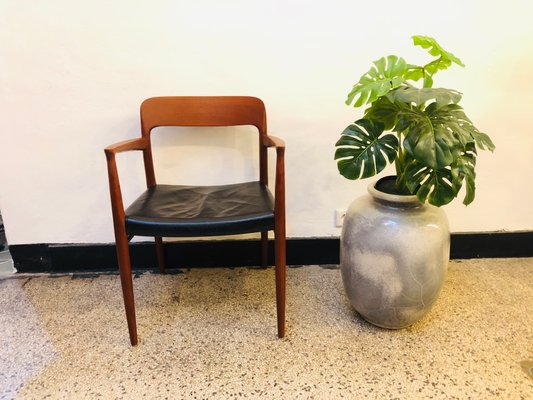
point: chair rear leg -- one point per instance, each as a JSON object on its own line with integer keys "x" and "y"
{"x": 264, "y": 249}
{"x": 159, "y": 250}
{"x": 279, "y": 245}
{"x": 124, "y": 266}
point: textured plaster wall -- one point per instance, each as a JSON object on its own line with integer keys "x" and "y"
{"x": 72, "y": 76}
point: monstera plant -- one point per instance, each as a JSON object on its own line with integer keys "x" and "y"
{"x": 423, "y": 130}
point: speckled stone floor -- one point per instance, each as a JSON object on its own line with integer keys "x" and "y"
{"x": 211, "y": 334}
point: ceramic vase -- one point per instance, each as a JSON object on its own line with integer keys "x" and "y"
{"x": 394, "y": 255}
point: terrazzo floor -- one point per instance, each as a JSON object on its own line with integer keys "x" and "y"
{"x": 211, "y": 334}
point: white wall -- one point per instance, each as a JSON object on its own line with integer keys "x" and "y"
{"x": 72, "y": 76}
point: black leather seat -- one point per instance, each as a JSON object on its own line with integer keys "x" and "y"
{"x": 170, "y": 210}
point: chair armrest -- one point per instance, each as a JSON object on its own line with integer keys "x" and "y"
{"x": 272, "y": 141}
{"x": 127, "y": 145}
{"x": 117, "y": 204}
{"x": 279, "y": 190}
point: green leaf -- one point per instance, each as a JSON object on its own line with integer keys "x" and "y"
{"x": 386, "y": 74}
{"x": 436, "y": 50}
{"x": 363, "y": 150}
{"x": 437, "y": 65}
{"x": 482, "y": 140}
{"x": 413, "y": 72}
{"x": 409, "y": 94}
{"x": 384, "y": 111}
{"x": 454, "y": 119}
{"x": 463, "y": 169}
{"x": 427, "y": 140}
{"x": 431, "y": 185}
{"x": 432, "y": 134}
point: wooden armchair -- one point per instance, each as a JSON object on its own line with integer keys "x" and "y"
{"x": 177, "y": 211}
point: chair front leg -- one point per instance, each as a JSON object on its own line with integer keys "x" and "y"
{"x": 280, "y": 234}
{"x": 124, "y": 265}
{"x": 279, "y": 244}
{"x": 121, "y": 238}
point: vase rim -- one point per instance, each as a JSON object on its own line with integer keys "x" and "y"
{"x": 400, "y": 199}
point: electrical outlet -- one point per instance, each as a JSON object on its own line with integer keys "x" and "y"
{"x": 340, "y": 213}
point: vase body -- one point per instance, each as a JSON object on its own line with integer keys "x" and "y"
{"x": 394, "y": 257}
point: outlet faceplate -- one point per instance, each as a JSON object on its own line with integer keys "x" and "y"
{"x": 340, "y": 213}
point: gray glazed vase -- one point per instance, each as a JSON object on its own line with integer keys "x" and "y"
{"x": 394, "y": 257}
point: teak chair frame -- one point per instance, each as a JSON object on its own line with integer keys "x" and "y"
{"x": 192, "y": 112}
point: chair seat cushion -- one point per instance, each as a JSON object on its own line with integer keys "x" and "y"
{"x": 170, "y": 210}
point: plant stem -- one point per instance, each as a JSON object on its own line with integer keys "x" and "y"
{"x": 400, "y": 168}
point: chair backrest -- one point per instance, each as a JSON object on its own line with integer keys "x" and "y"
{"x": 202, "y": 111}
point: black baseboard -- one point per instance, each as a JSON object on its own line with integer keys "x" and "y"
{"x": 57, "y": 258}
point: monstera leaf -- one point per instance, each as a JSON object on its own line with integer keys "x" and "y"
{"x": 436, "y": 50}
{"x": 433, "y": 133}
{"x": 413, "y": 72}
{"x": 433, "y": 185}
{"x": 463, "y": 169}
{"x": 384, "y": 111}
{"x": 437, "y": 65}
{"x": 386, "y": 74}
{"x": 441, "y": 186}
{"x": 363, "y": 150}
{"x": 409, "y": 94}
{"x": 427, "y": 140}
{"x": 455, "y": 118}
{"x": 444, "y": 60}
{"x": 482, "y": 139}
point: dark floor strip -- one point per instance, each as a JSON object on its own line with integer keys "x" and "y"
{"x": 235, "y": 253}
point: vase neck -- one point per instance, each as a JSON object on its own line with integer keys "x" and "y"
{"x": 393, "y": 200}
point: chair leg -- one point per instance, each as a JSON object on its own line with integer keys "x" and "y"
{"x": 124, "y": 266}
{"x": 264, "y": 249}
{"x": 279, "y": 245}
{"x": 160, "y": 254}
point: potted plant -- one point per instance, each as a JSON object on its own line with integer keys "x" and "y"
{"x": 395, "y": 241}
